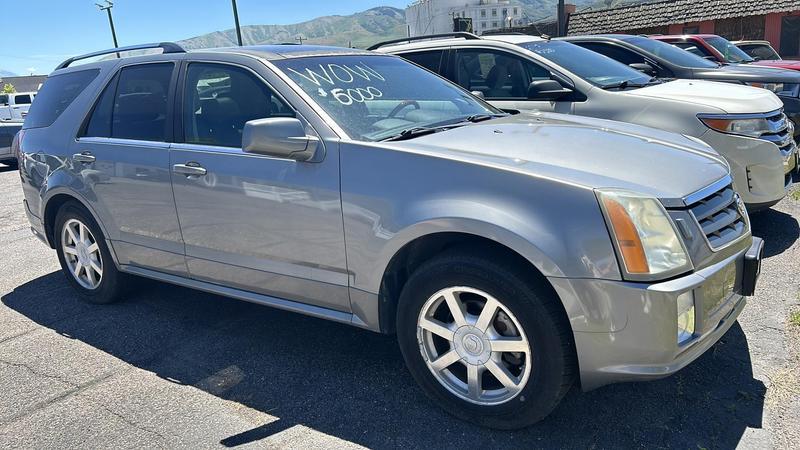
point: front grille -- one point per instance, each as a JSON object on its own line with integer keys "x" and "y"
{"x": 719, "y": 217}
{"x": 780, "y": 133}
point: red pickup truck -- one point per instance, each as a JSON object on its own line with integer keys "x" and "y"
{"x": 721, "y": 50}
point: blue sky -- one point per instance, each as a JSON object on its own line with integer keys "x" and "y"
{"x": 41, "y": 33}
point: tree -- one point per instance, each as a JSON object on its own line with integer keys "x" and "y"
{"x": 8, "y": 88}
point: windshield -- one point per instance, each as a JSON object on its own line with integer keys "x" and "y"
{"x": 372, "y": 97}
{"x": 591, "y": 66}
{"x": 670, "y": 53}
{"x": 730, "y": 52}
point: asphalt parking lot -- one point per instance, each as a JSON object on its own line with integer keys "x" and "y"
{"x": 175, "y": 368}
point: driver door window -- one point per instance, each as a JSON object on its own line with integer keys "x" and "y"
{"x": 220, "y": 99}
{"x": 498, "y": 75}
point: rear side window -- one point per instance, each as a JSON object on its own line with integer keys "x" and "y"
{"x": 57, "y": 93}
{"x": 134, "y": 104}
{"x": 430, "y": 60}
{"x": 22, "y": 99}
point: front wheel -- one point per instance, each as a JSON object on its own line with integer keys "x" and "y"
{"x": 484, "y": 341}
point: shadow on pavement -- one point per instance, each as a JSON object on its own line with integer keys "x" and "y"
{"x": 352, "y": 384}
{"x": 779, "y": 230}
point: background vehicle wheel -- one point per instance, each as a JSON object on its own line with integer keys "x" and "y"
{"x": 84, "y": 256}
{"x": 485, "y": 341}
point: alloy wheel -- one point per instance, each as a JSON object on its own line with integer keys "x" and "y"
{"x": 474, "y": 346}
{"x": 82, "y": 254}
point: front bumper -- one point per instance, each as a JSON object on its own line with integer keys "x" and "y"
{"x": 761, "y": 172}
{"x": 627, "y": 331}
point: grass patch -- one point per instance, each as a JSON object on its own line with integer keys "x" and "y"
{"x": 794, "y": 318}
{"x": 795, "y": 195}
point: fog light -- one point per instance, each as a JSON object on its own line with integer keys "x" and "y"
{"x": 685, "y": 316}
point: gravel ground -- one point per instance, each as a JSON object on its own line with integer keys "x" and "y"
{"x": 175, "y": 368}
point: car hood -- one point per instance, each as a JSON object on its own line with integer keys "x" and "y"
{"x": 780, "y": 64}
{"x": 730, "y": 98}
{"x": 749, "y": 73}
{"x": 588, "y": 152}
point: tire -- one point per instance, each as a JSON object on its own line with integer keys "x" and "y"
{"x": 534, "y": 313}
{"x": 109, "y": 285}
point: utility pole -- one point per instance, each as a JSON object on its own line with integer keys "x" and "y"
{"x": 300, "y": 39}
{"x": 236, "y": 19}
{"x": 107, "y": 8}
{"x": 562, "y": 19}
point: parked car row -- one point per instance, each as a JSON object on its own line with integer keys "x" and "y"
{"x": 746, "y": 125}
{"x": 514, "y": 250}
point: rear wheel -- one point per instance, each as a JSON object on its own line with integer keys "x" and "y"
{"x": 484, "y": 342}
{"x": 84, "y": 255}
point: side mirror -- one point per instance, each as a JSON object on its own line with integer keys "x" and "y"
{"x": 644, "y": 68}
{"x": 478, "y": 94}
{"x": 281, "y": 137}
{"x": 547, "y": 90}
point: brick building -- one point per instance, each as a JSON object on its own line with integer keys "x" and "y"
{"x": 777, "y": 21}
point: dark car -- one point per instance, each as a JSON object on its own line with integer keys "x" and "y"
{"x": 667, "y": 61}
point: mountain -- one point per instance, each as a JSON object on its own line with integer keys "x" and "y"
{"x": 359, "y": 30}
{"x": 6, "y": 73}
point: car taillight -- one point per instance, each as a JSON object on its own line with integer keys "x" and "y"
{"x": 16, "y": 147}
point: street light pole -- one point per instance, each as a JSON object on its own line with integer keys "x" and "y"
{"x": 236, "y": 19}
{"x": 107, "y": 8}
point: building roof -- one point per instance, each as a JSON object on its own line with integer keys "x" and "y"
{"x": 666, "y": 12}
{"x": 28, "y": 83}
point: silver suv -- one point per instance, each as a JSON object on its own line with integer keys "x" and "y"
{"x": 359, "y": 188}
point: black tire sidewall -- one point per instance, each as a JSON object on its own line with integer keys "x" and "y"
{"x": 544, "y": 388}
{"x": 107, "y": 291}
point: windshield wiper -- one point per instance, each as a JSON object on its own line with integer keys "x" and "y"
{"x": 411, "y": 133}
{"x": 622, "y": 85}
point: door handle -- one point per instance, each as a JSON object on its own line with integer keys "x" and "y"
{"x": 189, "y": 169}
{"x": 83, "y": 157}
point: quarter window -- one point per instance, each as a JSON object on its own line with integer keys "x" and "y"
{"x": 57, "y": 93}
{"x": 220, "y": 99}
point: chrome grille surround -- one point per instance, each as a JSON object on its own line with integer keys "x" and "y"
{"x": 781, "y": 133}
{"x": 721, "y": 216}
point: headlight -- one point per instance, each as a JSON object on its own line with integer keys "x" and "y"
{"x": 685, "y": 316}
{"x": 783, "y": 89}
{"x": 646, "y": 240}
{"x": 751, "y": 127}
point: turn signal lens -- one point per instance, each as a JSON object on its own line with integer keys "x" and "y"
{"x": 630, "y": 245}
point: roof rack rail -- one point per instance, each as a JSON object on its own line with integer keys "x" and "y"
{"x": 496, "y": 32}
{"x": 167, "y": 47}
{"x": 461, "y": 34}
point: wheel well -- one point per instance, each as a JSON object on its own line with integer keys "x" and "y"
{"x": 50, "y": 213}
{"x": 422, "y": 249}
